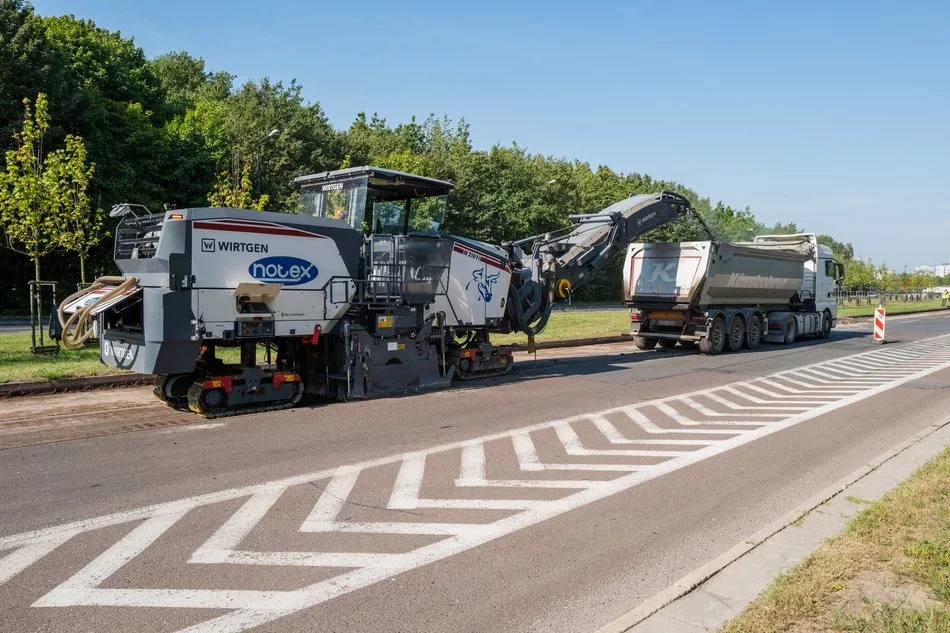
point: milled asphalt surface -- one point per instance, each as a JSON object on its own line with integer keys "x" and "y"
{"x": 573, "y": 572}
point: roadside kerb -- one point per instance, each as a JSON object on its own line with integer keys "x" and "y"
{"x": 693, "y": 581}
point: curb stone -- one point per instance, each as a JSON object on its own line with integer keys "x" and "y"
{"x": 12, "y": 389}
{"x": 659, "y": 610}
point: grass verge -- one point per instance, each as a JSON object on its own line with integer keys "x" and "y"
{"x": 893, "y": 307}
{"x": 575, "y": 324}
{"x": 19, "y": 364}
{"x": 888, "y": 572}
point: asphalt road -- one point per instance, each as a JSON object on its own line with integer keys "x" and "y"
{"x": 554, "y": 499}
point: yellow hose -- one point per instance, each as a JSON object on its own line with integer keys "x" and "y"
{"x": 82, "y": 319}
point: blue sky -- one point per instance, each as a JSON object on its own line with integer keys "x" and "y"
{"x": 832, "y": 115}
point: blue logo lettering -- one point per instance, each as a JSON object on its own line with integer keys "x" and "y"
{"x": 290, "y": 271}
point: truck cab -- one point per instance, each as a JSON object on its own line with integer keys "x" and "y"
{"x": 823, "y": 274}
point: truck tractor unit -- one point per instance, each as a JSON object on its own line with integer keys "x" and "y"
{"x": 726, "y": 296}
{"x": 357, "y": 295}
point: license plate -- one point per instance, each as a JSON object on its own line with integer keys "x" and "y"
{"x": 668, "y": 322}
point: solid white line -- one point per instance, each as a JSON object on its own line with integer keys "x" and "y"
{"x": 315, "y": 559}
{"x": 614, "y": 436}
{"x": 15, "y": 562}
{"x": 679, "y": 418}
{"x": 80, "y": 585}
{"x": 573, "y": 446}
{"x": 529, "y": 461}
{"x": 736, "y": 406}
{"x": 339, "y": 585}
{"x": 472, "y": 474}
{"x": 259, "y": 607}
{"x": 392, "y": 527}
{"x": 651, "y": 427}
{"x": 332, "y": 500}
{"x": 217, "y": 548}
{"x": 473, "y": 463}
{"x": 816, "y": 398}
{"x": 405, "y": 493}
{"x": 701, "y": 408}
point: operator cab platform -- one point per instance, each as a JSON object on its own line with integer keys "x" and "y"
{"x": 406, "y": 258}
{"x": 402, "y": 203}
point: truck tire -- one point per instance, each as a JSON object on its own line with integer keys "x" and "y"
{"x": 825, "y": 330}
{"x": 715, "y": 339}
{"x": 667, "y": 343}
{"x": 754, "y": 336}
{"x": 736, "y": 334}
{"x": 791, "y": 330}
{"x": 644, "y": 342}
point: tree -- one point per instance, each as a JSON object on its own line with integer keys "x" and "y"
{"x": 234, "y": 190}
{"x": 79, "y": 226}
{"x": 886, "y": 277}
{"x": 28, "y": 201}
{"x": 30, "y": 64}
{"x": 844, "y": 251}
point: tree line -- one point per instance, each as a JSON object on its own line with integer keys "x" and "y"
{"x": 169, "y": 131}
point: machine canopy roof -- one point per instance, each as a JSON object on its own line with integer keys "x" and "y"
{"x": 383, "y": 184}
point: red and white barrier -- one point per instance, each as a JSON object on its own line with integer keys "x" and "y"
{"x": 879, "y": 324}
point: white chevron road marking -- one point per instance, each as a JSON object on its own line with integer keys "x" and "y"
{"x": 751, "y": 409}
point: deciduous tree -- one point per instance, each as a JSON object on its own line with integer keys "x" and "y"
{"x": 79, "y": 225}
{"x": 28, "y": 201}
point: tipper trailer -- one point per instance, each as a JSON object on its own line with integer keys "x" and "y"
{"x": 726, "y": 296}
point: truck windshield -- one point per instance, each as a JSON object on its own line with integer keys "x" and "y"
{"x": 425, "y": 215}
{"x": 343, "y": 200}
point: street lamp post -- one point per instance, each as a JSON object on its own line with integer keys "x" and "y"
{"x": 257, "y": 165}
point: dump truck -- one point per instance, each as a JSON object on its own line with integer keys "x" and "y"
{"x": 729, "y": 296}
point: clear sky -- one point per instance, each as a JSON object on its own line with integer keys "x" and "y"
{"x": 833, "y": 115}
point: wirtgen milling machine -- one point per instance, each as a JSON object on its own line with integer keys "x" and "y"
{"x": 340, "y": 305}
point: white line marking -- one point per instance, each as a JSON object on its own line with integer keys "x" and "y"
{"x": 15, "y": 562}
{"x": 217, "y": 548}
{"x": 80, "y": 587}
{"x": 332, "y": 500}
{"x": 615, "y": 437}
{"x": 252, "y": 608}
{"x": 573, "y": 446}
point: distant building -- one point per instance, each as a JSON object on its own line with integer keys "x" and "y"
{"x": 942, "y": 270}
{"x": 926, "y": 270}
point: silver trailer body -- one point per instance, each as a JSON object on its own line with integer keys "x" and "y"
{"x": 715, "y": 273}
{"x": 722, "y": 294}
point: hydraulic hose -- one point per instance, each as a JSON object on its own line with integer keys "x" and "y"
{"x": 81, "y": 320}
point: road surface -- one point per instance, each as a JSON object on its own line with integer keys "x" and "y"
{"x": 554, "y": 499}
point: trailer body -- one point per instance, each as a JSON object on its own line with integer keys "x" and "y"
{"x": 726, "y": 295}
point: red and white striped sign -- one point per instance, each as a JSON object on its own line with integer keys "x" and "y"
{"x": 879, "y": 319}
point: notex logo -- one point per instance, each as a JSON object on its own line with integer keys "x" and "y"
{"x": 290, "y": 271}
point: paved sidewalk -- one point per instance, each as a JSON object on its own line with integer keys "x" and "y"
{"x": 708, "y": 597}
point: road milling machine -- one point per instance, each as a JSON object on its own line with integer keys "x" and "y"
{"x": 329, "y": 302}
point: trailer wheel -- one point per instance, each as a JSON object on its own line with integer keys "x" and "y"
{"x": 715, "y": 339}
{"x": 754, "y": 335}
{"x": 736, "y": 333}
{"x": 825, "y": 331}
{"x": 791, "y": 331}
{"x": 644, "y": 342}
{"x": 667, "y": 343}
